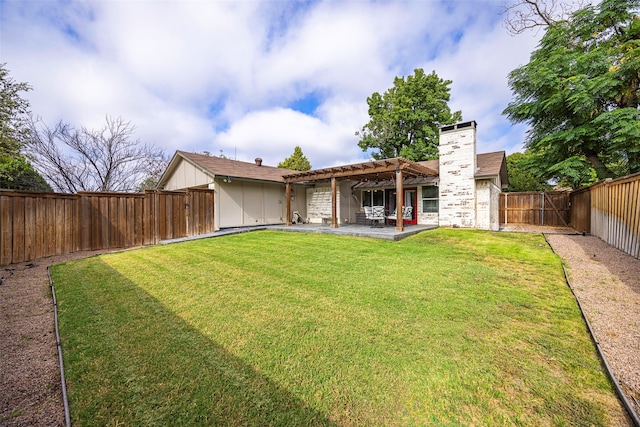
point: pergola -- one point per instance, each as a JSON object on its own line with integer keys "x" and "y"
{"x": 396, "y": 168}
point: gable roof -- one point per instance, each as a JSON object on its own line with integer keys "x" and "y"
{"x": 487, "y": 165}
{"x": 214, "y": 166}
{"x": 493, "y": 164}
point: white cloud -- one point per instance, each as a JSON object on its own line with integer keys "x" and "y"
{"x": 196, "y": 75}
{"x": 273, "y": 134}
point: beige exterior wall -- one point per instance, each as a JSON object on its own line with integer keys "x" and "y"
{"x": 250, "y": 203}
{"x": 187, "y": 175}
{"x": 348, "y": 203}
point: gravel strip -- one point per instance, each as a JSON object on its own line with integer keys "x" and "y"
{"x": 607, "y": 283}
{"x": 30, "y": 386}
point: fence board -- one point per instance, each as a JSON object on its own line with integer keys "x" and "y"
{"x": 29, "y": 228}
{"x": 50, "y": 226}
{"x": 18, "y": 229}
{"x": 635, "y": 220}
{"x": 580, "y": 202}
{"x": 39, "y": 239}
{"x": 6, "y": 229}
{"x": 84, "y": 220}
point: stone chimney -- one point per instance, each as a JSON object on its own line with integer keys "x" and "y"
{"x": 457, "y": 175}
{"x": 258, "y": 161}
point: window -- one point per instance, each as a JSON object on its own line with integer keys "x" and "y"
{"x": 372, "y": 198}
{"x": 430, "y": 199}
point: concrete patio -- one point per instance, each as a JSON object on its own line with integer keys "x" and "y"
{"x": 385, "y": 232}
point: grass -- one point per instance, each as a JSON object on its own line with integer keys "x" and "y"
{"x": 449, "y": 327}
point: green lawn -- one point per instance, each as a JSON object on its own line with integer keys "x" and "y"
{"x": 448, "y": 327}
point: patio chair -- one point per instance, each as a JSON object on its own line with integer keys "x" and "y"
{"x": 368, "y": 214}
{"x": 407, "y": 212}
{"x": 392, "y": 216}
{"x": 377, "y": 215}
{"x": 296, "y": 218}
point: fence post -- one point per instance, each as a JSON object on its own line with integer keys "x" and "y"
{"x": 542, "y": 208}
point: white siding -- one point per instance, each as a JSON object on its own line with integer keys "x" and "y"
{"x": 319, "y": 204}
{"x": 185, "y": 176}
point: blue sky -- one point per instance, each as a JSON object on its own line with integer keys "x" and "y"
{"x": 255, "y": 79}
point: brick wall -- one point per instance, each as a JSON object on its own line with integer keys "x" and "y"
{"x": 457, "y": 171}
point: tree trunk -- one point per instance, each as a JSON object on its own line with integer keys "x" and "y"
{"x": 601, "y": 169}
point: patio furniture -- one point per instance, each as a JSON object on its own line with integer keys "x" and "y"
{"x": 407, "y": 212}
{"x": 296, "y": 218}
{"x": 377, "y": 215}
{"x": 368, "y": 214}
{"x": 392, "y": 216}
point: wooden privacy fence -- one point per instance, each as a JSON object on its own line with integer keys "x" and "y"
{"x": 35, "y": 225}
{"x": 609, "y": 209}
{"x": 547, "y": 208}
{"x": 615, "y": 213}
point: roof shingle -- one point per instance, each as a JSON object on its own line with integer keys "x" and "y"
{"x": 234, "y": 168}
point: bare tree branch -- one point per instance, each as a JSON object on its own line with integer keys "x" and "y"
{"x": 108, "y": 159}
{"x": 523, "y": 15}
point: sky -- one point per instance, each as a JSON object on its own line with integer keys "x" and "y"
{"x": 253, "y": 78}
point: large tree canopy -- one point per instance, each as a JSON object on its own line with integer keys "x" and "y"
{"x": 108, "y": 159}
{"x": 296, "y": 161}
{"x": 14, "y": 109}
{"x": 580, "y": 95}
{"x": 15, "y": 171}
{"x": 405, "y": 120}
{"x": 521, "y": 177}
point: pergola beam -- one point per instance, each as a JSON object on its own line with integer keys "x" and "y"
{"x": 382, "y": 169}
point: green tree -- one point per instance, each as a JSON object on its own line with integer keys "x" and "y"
{"x": 296, "y": 161}
{"x": 579, "y": 93}
{"x": 15, "y": 171}
{"x": 14, "y": 110}
{"x": 523, "y": 175}
{"x": 17, "y": 174}
{"x": 405, "y": 120}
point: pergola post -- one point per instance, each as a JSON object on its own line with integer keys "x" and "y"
{"x": 288, "y": 196}
{"x": 334, "y": 203}
{"x": 399, "y": 191}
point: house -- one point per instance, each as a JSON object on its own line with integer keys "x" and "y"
{"x": 460, "y": 189}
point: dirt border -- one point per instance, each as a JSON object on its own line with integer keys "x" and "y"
{"x": 31, "y": 390}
